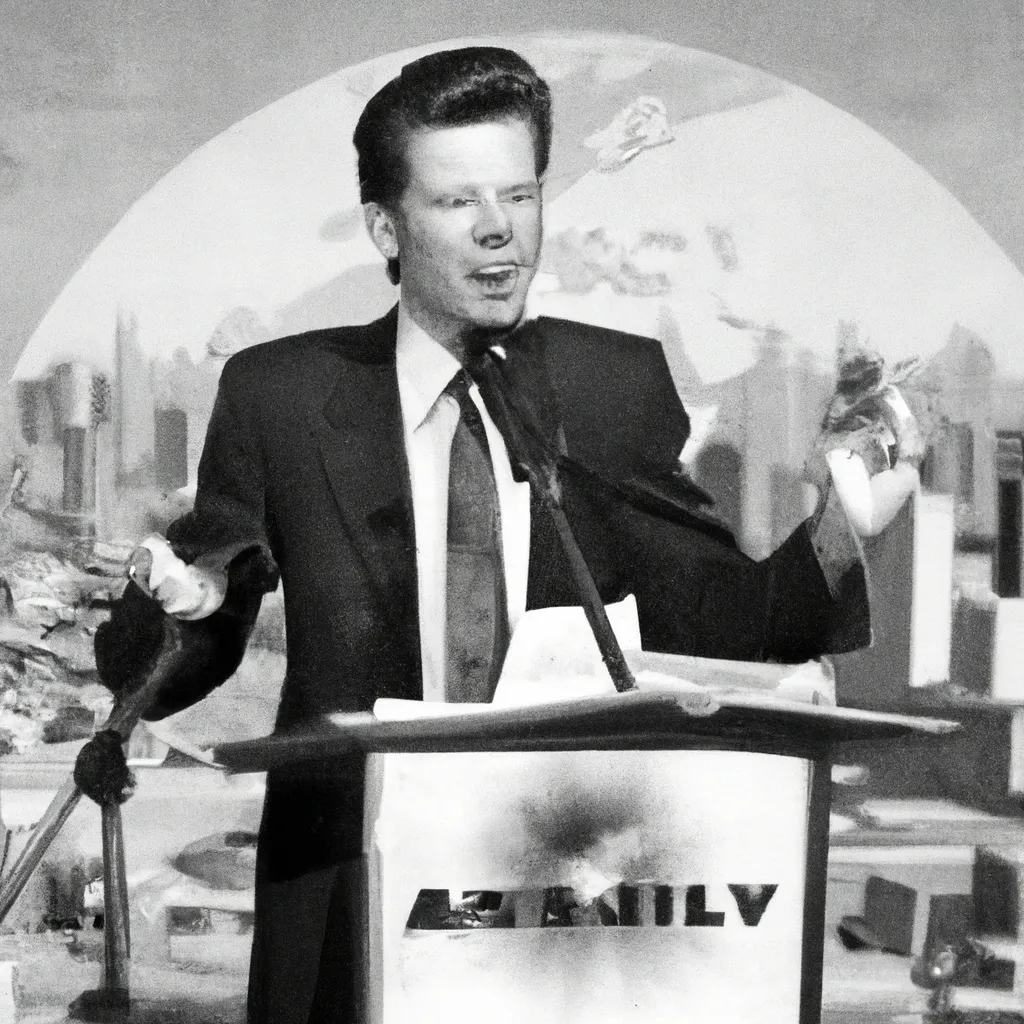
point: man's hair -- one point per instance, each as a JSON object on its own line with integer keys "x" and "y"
{"x": 448, "y": 89}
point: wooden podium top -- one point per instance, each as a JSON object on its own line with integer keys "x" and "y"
{"x": 640, "y": 719}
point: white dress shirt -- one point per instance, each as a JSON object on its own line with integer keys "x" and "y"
{"x": 429, "y": 418}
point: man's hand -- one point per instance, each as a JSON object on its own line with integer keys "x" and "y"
{"x": 101, "y": 769}
{"x": 870, "y": 502}
{"x": 855, "y": 468}
{"x": 910, "y": 445}
{"x": 185, "y": 591}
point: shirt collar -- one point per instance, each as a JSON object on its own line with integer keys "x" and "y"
{"x": 425, "y": 367}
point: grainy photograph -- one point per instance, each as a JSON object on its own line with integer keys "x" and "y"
{"x": 511, "y": 512}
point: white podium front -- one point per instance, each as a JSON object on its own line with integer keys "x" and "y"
{"x": 627, "y": 875}
{"x": 646, "y": 857}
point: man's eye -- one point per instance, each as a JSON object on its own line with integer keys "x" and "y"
{"x": 459, "y": 201}
{"x": 524, "y": 197}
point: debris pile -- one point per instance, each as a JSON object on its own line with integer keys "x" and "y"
{"x": 50, "y": 609}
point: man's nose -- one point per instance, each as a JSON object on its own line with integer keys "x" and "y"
{"x": 493, "y": 228}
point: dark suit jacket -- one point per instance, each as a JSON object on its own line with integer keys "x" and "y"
{"x": 305, "y": 459}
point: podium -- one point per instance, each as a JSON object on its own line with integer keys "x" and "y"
{"x": 649, "y": 856}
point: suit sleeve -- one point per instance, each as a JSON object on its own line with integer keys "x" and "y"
{"x": 698, "y": 594}
{"x": 228, "y": 516}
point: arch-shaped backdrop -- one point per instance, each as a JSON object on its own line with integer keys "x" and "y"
{"x": 761, "y": 202}
{"x": 741, "y": 220}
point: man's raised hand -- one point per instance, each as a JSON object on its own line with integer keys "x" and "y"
{"x": 185, "y": 591}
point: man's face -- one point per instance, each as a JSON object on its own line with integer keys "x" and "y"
{"x": 467, "y": 228}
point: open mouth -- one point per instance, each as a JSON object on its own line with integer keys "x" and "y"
{"x": 498, "y": 281}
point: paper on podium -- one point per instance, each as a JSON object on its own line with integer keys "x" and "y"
{"x": 553, "y": 657}
{"x": 555, "y": 688}
{"x": 812, "y": 682}
{"x": 559, "y": 643}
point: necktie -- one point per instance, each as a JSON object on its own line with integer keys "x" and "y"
{"x": 477, "y": 620}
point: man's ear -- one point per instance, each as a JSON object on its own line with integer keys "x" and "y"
{"x": 380, "y": 223}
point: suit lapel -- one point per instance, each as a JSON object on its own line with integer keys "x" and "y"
{"x": 360, "y": 440}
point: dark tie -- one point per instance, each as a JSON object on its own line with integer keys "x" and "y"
{"x": 477, "y": 624}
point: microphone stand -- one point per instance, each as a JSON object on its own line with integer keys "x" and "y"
{"x": 529, "y": 451}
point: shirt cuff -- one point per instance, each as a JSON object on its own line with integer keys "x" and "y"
{"x": 210, "y": 587}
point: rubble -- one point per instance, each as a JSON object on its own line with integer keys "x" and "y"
{"x": 49, "y": 688}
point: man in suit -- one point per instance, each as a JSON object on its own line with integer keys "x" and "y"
{"x": 326, "y": 467}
